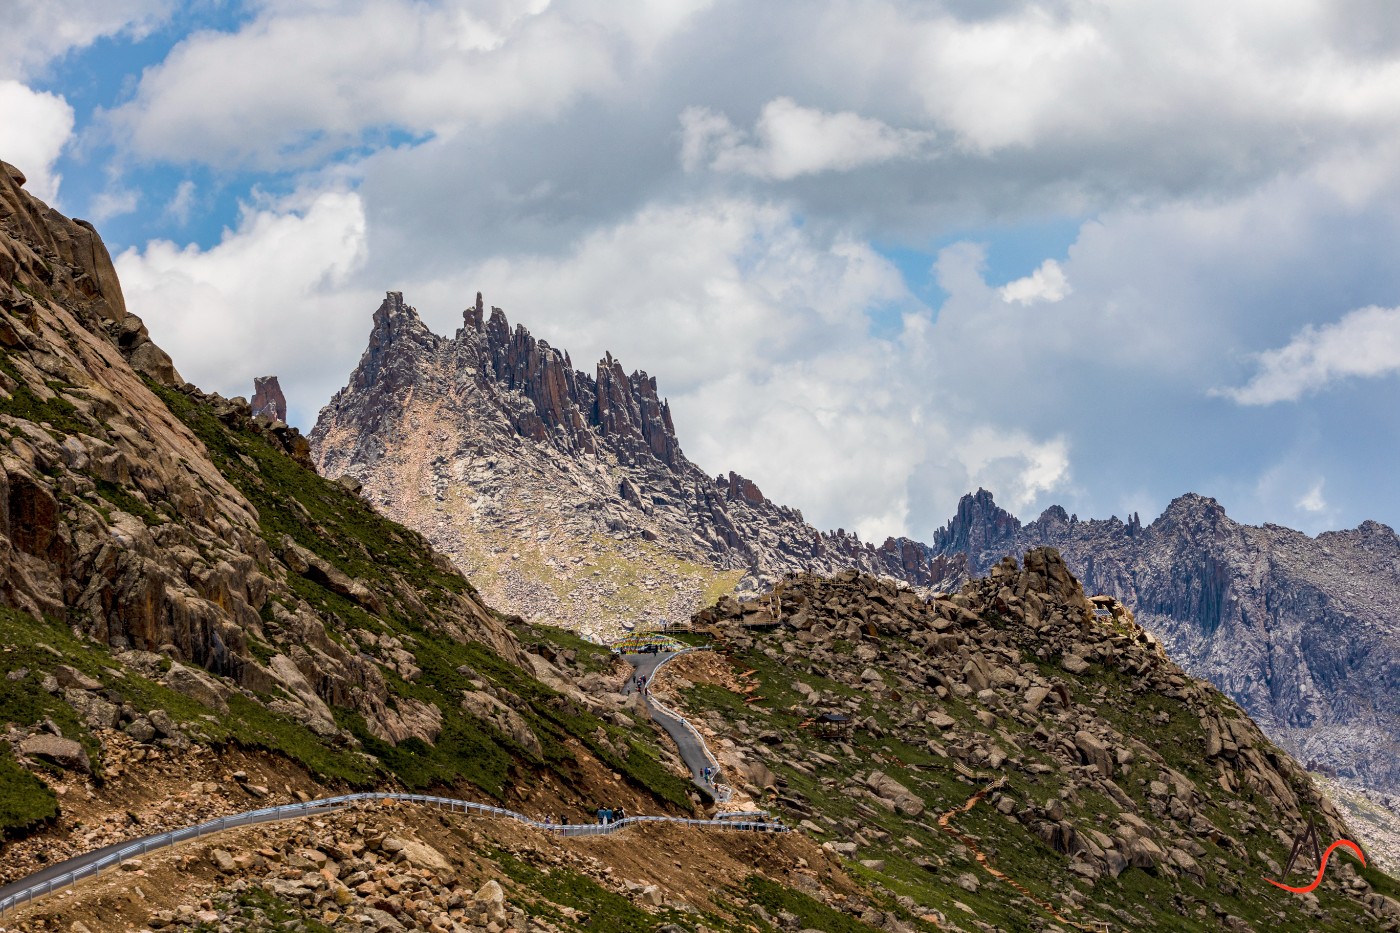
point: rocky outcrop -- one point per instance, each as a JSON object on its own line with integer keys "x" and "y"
{"x": 567, "y": 495}
{"x": 1300, "y": 631}
{"x": 115, "y": 519}
{"x": 268, "y": 400}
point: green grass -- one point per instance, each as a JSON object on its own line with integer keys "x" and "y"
{"x": 607, "y": 912}
{"x": 811, "y": 913}
{"x": 247, "y": 724}
{"x": 260, "y": 910}
{"x": 26, "y": 803}
{"x": 122, "y": 498}
{"x": 23, "y": 403}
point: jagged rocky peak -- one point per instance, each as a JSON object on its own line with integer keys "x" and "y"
{"x": 979, "y": 527}
{"x": 268, "y": 400}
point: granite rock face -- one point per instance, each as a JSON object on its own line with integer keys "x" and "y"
{"x": 1303, "y": 632}
{"x": 565, "y": 495}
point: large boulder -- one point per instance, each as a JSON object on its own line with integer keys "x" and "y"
{"x": 894, "y": 794}
{"x": 1093, "y": 752}
{"x": 55, "y": 749}
{"x": 487, "y": 708}
{"x": 198, "y": 685}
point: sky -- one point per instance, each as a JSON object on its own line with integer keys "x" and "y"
{"x": 877, "y": 254}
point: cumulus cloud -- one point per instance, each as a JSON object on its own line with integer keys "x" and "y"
{"x": 113, "y": 203}
{"x": 273, "y": 296}
{"x": 38, "y": 31}
{"x": 305, "y": 80}
{"x": 1364, "y": 343}
{"x": 1020, "y": 467}
{"x": 34, "y": 128}
{"x": 1070, "y": 108}
{"x": 790, "y": 140}
{"x": 181, "y": 203}
{"x": 1047, "y": 283}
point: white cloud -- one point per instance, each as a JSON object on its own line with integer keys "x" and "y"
{"x": 1047, "y": 283}
{"x": 792, "y": 140}
{"x": 304, "y": 80}
{"x": 1364, "y": 343}
{"x": 181, "y": 203}
{"x": 34, "y": 128}
{"x": 1312, "y": 500}
{"x": 38, "y": 31}
{"x": 113, "y": 203}
{"x": 274, "y": 296}
{"x": 1013, "y": 464}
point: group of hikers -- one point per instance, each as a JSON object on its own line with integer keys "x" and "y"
{"x": 606, "y": 815}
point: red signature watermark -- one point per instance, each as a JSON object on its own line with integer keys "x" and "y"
{"x": 1310, "y": 834}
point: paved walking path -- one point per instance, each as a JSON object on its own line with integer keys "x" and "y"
{"x": 688, "y": 741}
{"x": 69, "y": 872}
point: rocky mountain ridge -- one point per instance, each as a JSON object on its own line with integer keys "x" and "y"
{"x": 543, "y": 480}
{"x": 1303, "y": 632}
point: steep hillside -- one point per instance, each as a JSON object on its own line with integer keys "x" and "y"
{"x": 1013, "y": 760}
{"x": 565, "y": 496}
{"x": 175, "y": 579}
{"x": 1303, "y": 632}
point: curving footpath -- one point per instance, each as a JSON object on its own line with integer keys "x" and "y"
{"x": 688, "y": 741}
{"x": 69, "y": 872}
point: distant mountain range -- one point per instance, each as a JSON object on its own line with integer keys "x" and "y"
{"x": 566, "y": 496}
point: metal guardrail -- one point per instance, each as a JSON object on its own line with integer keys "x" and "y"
{"x": 334, "y": 804}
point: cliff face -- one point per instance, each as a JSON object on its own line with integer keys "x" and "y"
{"x": 1301, "y": 631}
{"x": 565, "y": 494}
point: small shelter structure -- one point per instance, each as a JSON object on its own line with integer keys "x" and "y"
{"x": 833, "y": 726}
